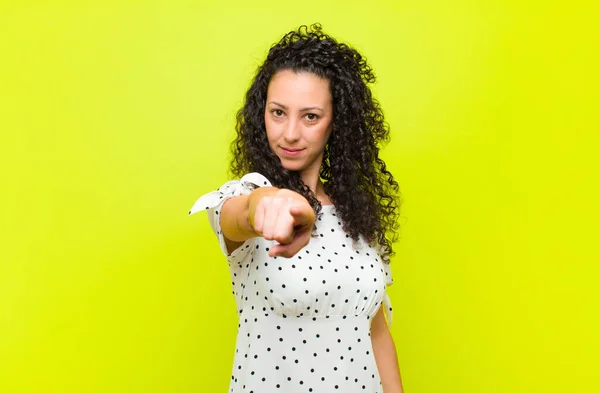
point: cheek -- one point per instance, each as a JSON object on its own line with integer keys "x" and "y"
{"x": 321, "y": 135}
{"x": 269, "y": 128}
{"x": 273, "y": 134}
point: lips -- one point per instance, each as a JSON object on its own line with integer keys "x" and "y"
{"x": 290, "y": 152}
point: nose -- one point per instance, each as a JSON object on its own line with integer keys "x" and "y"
{"x": 292, "y": 131}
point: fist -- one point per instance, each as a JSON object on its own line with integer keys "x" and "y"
{"x": 285, "y": 217}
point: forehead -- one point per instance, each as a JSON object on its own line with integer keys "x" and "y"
{"x": 299, "y": 87}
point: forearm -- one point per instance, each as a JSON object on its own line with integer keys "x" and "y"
{"x": 386, "y": 358}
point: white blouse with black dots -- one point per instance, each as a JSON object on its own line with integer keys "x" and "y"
{"x": 304, "y": 321}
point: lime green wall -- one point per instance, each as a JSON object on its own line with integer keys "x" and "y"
{"x": 114, "y": 118}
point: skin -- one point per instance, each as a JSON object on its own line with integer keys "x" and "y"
{"x": 298, "y": 117}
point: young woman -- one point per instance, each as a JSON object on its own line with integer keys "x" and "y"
{"x": 308, "y": 228}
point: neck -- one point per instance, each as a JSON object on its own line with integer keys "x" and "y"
{"x": 313, "y": 182}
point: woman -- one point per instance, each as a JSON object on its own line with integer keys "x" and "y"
{"x": 309, "y": 227}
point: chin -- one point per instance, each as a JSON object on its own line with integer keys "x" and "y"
{"x": 291, "y": 165}
{"x": 293, "y": 168}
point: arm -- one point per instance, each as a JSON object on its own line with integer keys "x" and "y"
{"x": 385, "y": 354}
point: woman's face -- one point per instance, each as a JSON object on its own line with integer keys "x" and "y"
{"x": 298, "y": 116}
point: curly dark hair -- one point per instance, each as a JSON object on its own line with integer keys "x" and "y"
{"x": 356, "y": 180}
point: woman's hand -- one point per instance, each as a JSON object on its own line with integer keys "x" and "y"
{"x": 285, "y": 217}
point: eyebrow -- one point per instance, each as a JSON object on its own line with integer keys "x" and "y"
{"x": 308, "y": 108}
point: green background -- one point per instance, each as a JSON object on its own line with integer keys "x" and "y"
{"x": 116, "y": 116}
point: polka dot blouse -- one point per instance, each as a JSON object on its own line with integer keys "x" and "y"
{"x": 304, "y": 322}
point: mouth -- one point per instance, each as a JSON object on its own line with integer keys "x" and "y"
{"x": 290, "y": 152}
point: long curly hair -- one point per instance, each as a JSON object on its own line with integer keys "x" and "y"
{"x": 356, "y": 180}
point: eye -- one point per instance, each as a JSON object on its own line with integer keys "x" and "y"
{"x": 277, "y": 112}
{"x": 311, "y": 117}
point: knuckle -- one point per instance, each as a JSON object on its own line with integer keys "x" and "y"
{"x": 283, "y": 238}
